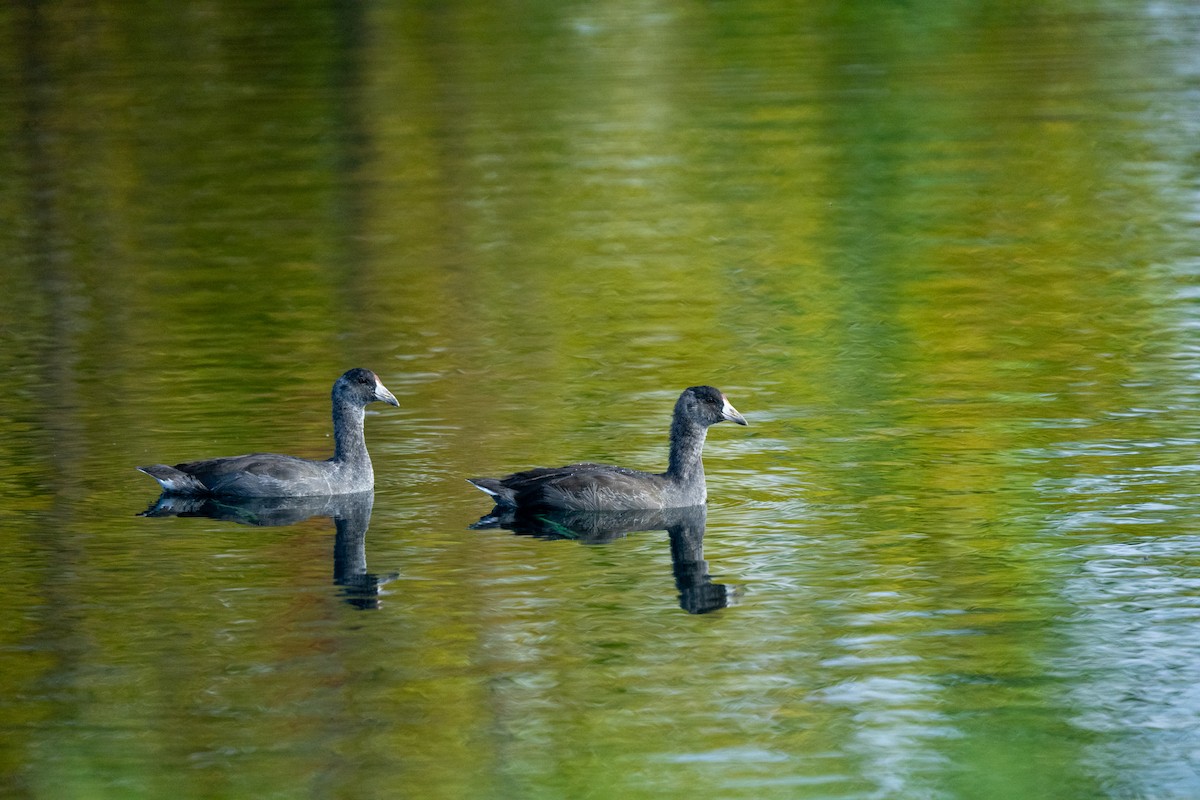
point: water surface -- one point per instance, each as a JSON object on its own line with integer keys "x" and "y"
{"x": 943, "y": 256}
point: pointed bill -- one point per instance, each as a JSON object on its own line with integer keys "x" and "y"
{"x": 383, "y": 395}
{"x": 728, "y": 412}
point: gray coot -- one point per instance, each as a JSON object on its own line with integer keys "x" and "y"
{"x": 274, "y": 475}
{"x": 600, "y": 487}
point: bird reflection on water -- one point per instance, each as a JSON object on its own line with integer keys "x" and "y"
{"x": 698, "y": 594}
{"x": 351, "y": 515}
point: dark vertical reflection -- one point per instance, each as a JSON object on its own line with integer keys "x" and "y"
{"x": 698, "y": 594}
{"x": 351, "y": 515}
{"x": 361, "y": 588}
{"x": 352, "y": 150}
{"x": 47, "y": 252}
{"x": 46, "y": 256}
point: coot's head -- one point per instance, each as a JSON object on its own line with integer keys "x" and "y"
{"x": 708, "y": 406}
{"x": 363, "y": 386}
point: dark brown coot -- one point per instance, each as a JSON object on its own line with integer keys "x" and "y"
{"x": 274, "y": 475}
{"x": 599, "y": 487}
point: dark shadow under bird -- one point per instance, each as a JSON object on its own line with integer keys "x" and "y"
{"x": 698, "y": 593}
{"x": 351, "y": 515}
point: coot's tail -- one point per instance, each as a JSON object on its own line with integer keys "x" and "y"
{"x": 501, "y": 494}
{"x": 173, "y": 480}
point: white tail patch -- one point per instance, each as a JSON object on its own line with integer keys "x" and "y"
{"x": 482, "y": 489}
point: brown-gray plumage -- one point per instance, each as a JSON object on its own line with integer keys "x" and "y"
{"x": 600, "y": 487}
{"x": 274, "y": 475}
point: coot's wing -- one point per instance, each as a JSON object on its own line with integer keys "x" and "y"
{"x": 261, "y": 475}
{"x": 587, "y": 487}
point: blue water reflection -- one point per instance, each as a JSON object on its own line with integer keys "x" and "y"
{"x": 1129, "y": 667}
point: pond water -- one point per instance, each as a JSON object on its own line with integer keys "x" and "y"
{"x": 943, "y": 256}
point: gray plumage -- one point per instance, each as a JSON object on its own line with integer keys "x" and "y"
{"x": 275, "y": 475}
{"x": 600, "y": 487}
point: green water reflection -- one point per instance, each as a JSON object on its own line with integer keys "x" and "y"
{"x": 942, "y": 255}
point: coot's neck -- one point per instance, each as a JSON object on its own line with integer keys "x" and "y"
{"x": 687, "y": 445}
{"x": 349, "y": 444}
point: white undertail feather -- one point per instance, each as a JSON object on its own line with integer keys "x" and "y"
{"x": 482, "y": 489}
{"x": 174, "y": 480}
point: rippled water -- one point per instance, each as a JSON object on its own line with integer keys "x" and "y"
{"x": 942, "y": 256}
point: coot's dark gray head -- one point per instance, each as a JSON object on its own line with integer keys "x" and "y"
{"x": 363, "y": 386}
{"x": 708, "y": 406}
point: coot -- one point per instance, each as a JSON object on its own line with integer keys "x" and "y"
{"x": 600, "y": 487}
{"x": 274, "y": 475}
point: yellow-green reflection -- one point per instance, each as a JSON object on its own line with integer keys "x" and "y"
{"x": 940, "y": 254}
